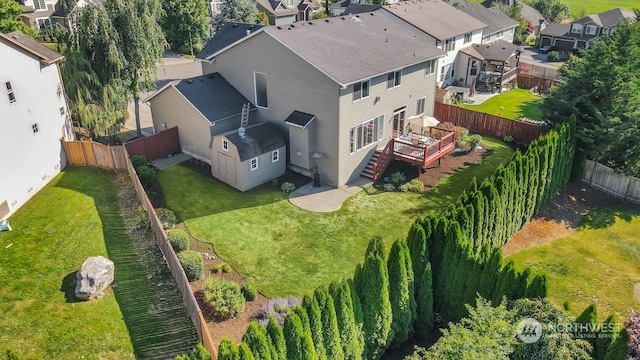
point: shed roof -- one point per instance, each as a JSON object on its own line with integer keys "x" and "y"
{"x": 299, "y": 119}
{"x": 435, "y": 17}
{"x": 258, "y": 139}
{"x": 31, "y": 47}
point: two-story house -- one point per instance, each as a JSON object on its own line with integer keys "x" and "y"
{"x": 284, "y": 12}
{"x": 38, "y": 14}
{"x": 340, "y": 88}
{"x": 451, "y": 28}
{"x": 34, "y": 119}
{"x": 580, "y": 33}
{"x": 499, "y": 25}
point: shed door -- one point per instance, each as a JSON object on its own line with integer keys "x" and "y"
{"x": 227, "y": 168}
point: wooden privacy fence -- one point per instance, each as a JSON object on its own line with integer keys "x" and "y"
{"x": 607, "y": 180}
{"x": 541, "y": 84}
{"x": 91, "y": 153}
{"x": 156, "y": 146}
{"x": 483, "y": 123}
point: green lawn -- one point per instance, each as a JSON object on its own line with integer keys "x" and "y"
{"x": 288, "y": 251}
{"x": 513, "y": 104}
{"x": 599, "y": 263}
{"x": 76, "y": 216}
{"x": 580, "y": 8}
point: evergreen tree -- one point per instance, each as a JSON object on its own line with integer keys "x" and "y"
{"x": 617, "y": 350}
{"x": 587, "y": 323}
{"x": 227, "y": 350}
{"x": 185, "y": 24}
{"x": 330, "y": 332}
{"x": 417, "y": 243}
{"x": 350, "y": 334}
{"x": 401, "y": 292}
{"x": 310, "y": 305}
{"x": 299, "y": 342}
{"x": 276, "y": 339}
{"x": 242, "y": 11}
{"x": 424, "y": 300}
{"x": 244, "y": 353}
{"x": 373, "y": 290}
{"x": 256, "y": 339}
{"x": 607, "y": 330}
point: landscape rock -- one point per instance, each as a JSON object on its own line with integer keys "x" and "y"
{"x": 95, "y": 275}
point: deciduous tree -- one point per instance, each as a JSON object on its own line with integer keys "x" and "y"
{"x": 185, "y": 24}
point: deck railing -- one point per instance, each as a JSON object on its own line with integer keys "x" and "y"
{"x": 383, "y": 161}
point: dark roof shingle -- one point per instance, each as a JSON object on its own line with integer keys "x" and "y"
{"x": 258, "y": 139}
{"x": 228, "y": 34}
{"x": 32, "y": 47}
{"x": 299, "y": 119}
{"x": 495, "y": 19}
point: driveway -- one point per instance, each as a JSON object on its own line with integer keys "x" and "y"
{"x": 530, "y": 55}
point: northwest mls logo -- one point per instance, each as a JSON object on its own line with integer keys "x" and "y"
{"x": 529, "y": 330}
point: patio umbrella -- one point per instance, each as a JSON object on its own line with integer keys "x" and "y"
{"x": 423, "y": 121}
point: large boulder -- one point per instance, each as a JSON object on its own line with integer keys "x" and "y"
{"x": 93, "y": 278}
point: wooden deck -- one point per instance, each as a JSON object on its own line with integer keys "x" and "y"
{"x": 417, "y": 150}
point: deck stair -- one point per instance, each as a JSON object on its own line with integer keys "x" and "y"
{"x": 368, "y": 170}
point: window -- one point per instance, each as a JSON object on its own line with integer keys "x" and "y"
{"x": 365, "y": 134}
{"x": 260, "y": 82}
{"x": 10, "y": 94}
{"x": 576, "y": 29}
{"x": 39, "y": 5}
{"x": 605, "y": 31}
{"x": 591, "y": 30}
{"x": 474, "y": 68}
{"x": 254, "y": 164}
{"x": 450, "y": 44}
{"x": 420, "y": 108}
{"x": 275, "y": 156}
{"x": 430, "y": 68}
{"x": 442, "y": 73}
{"x": 34, "y": 128}
{"x": 62, "y": 111}
{"x": 43, "y": 23}
{"x": 453, "y": 70}
{"x": 225, "y": 145}
{"x": 361, "y": 90}
{"x": 394, "y": 79}
{"x": 467, "y": 38}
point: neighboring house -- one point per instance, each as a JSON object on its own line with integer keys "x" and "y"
{"x": 285, "y": 12}
{"x": 352, "y": 7}
{"x": 499, "y": 25}
{"x": 214, "y": 7}
{"x": 200, "y": 107}
{"x": 339, "y": 87}
{"x": 228, "y": 34}
{"x": 490, "y": 66}
{"x": 537, "y": 20}
{"x": 39, "y": 14}
{"x": 34, "y": 119}
{"x": 452, "y": 29}
{"x": 248, "y": 157}
{"x": 580, "y": 33}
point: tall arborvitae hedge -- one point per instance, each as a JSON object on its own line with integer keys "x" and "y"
{"x": 424, "y": 300}
{"x": 299, "y": 342}
{"x": 244, "y": 352}
{"x": 256, "y": 338}
{"x": 330, "y": 332}
{"x": 276, "y": 340}
{"x": 351, "y": 337}
{"x": 227, "y": 350}
{"x": 310, "y": 305}
{"x": 372, "y": 285}
{"x": 401, "y": 292}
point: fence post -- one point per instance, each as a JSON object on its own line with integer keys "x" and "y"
{"x": 626, "y": 192}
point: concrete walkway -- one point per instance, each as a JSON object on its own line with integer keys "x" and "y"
{"x": 325, "y": 198}
{"x": 164, "y": 163}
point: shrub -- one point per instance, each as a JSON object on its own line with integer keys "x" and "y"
{"x": 415, "y": 185}
{"x": 222, "y": 268}
{"x": 508, "y": 139}
{"x": 403, "y": 188}
{"x": 138, "y": 161}
{"x": 553, "y": 56}
{"x": 460, "y": 143}
{"x": 389, "y": 187}
{"x": 250, "y": 291}
{"x": 198, "y": 353}
{"x": 167, "y": 218}
{"x": 192, "y": 264}
{"x": 475, "y": 141}
{"x": 179, "y": 240}
{"x": 398, "y": 178}
{"x": 224, "y": 296}
{"x": 277, "y": 308}
{"x": 287, "y": 187}
{"x": 146, "y": 175}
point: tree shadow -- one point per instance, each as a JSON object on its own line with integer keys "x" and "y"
{"x": 604, "y": 217}
{"x": 68, "y": 288}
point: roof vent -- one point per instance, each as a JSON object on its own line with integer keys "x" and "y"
{"x": 310, "y": 23}
{"x": 372, "y": 14}
{"x": 292, "y": 25}
{"x": 210, "y": 76}
{"x": 248, "y": 32}
{"x": 327, "y": 20}
{"x": 189, "y": 81}
{"x": 279, "y": 27}
{"x": 241, "y": 132}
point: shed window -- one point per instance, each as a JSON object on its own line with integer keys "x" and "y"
{"x": 225, "y": 145}
{"x": 275, "y": 156}
{"x": 10, "y": 94}
{"x": 260, "y": 82}
{"x": 254, "y": 164}
{"x": 34, "y": 128}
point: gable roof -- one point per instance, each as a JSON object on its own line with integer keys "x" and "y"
{"x": 354, "y": 47}
{"x": 229, "y": 33}
{"x": 31, "y": 47}
{"x": 258, "y": 139}
{"x": 607, "y": 19}
{"x": 435, "y": 17}
{"x": 558, "y": 30}
{"x": 495, "y": 19}
{"x": 359, "y": 8}
{"x": 210, "y": 94}
{"x": 277, "y": 8}
{"x": 499, "y": 50}
{"x": 299, "y": 119}
{"x": 531, "y": 14}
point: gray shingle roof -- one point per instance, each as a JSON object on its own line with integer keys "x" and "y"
{"x": 258, "y": 139}
{"x": 32, "y": 47}
{"x": 359, "y": 9}
{"x": 356, "y": 47}
{"x": 607, "y": 19}
{"x": 495, "y": 19}
{"x": 499, "y": 50}
{"x": 435, "y": 17}
{"x": 299, "y": 119}
{"x": 228, "y": 34}
{"x": 277, "y": 8}
{"x": 531, "y": 14}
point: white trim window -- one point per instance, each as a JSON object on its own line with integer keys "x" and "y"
{"x": 39, "y": 5}
{"x": 420, "y": 106}
{"x": 467, "y": 38}
{"x": 394, "y": 79}
{"x": 34, "y": 128}
{"x": 43, "y": 23}
{"x": 225, "y": 144}
{"x": 361, "y": 90}
{"x": 590, "y": 30}
{"x": 576, "y": 29}
{"x": 430, "y": 68}
{"x": 365, "y": 134}
{"x": 254, "y": 164}
{"x": 450, "y": 44}
{"x": 260, "y": 87}
{"x": 275, "y": 156}
{"x": 442, "y": 72}
{"x": 10, "y": 94}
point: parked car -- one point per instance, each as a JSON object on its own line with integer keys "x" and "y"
{"x": 545, "y": 49}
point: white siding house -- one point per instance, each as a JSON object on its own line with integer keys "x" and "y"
{"x": 33, "y": 119}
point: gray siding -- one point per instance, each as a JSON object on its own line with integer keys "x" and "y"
{"x": 292, "y": 84}
{"x": 172, "y": 108}
{"x": 414, "y": 86}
